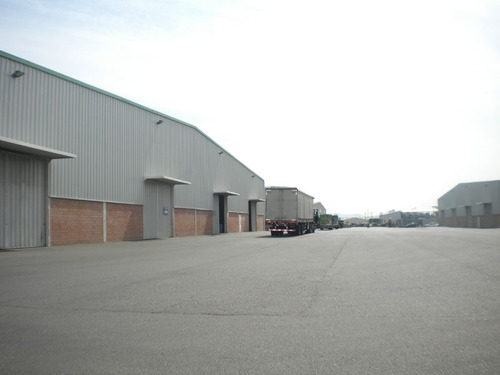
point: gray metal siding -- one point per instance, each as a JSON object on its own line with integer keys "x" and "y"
{"x": 274, "y": 204}
{"x": 117, "y": 144}
{"x": 472, "y": 195}
{"x": 392, "y": 216}
{"x": 289, "y": 204}
{"x": 305, "y": 206}
{"x": 282, "y": 204}
{"x": 23, "y": 201}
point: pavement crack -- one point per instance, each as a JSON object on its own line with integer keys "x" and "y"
{"x": 319, "y": 284}
{"x": 146, "y": 312}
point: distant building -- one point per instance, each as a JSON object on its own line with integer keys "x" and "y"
{"x": 356, "y": 221}
{"x": 321, "y": 209}
{"x": 471, "y": 205}
{"x": 408, "y": 218}
{"x": 393, "y": 218}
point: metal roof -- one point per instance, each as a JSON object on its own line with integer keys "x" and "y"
{"x": 90, "y": 87}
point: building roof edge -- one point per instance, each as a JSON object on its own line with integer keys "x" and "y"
{"x": 117, "y": 97}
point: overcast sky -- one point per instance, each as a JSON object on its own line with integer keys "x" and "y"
{"x": 367, "y": 105}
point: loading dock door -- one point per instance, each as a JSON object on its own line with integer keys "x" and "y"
{"x": 488, "y": 215}
{"x": 24, "y": 192}
{"x": 250, "y": 216}
{"x": 468, "y": 216}
{"x": 157, "y": 210}
{"x": 221, "y": 210}
{"x": 159, "y": 206}
{"x": 252, "y": 213}
{"x": 23, "y": 200}
{"x": 222, "y": 213}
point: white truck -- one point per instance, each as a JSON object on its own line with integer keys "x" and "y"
{"x": 289, "y": 211}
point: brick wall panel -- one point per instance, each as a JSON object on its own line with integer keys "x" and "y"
{"x": 496, "y": 221}
{"x": 74, "y": 221}
{"x": 124, "y": 222}
{"x": 233, "y": 222}
{"x": 245, "y": 223}
{"x": 184, "y": 222}
{"x": 204, "y": 223}
{"x": 462, "y": 221}
{"x": 260, "y": 222}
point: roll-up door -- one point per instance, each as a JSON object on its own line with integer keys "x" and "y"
{"x": 23, "y": 200}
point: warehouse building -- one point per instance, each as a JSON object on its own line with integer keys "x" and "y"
{"x": 78, "y": 164}
{"x": 471, "y": 205}
{"x": 320, "y": 208}
{"x": 412, "y": 218}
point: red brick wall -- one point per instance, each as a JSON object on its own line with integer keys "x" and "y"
{"x": 245, "y": 223}
{"x": 192, "y": 222}
{"x": 184, "y": 222}
{"x": 124, "y": 222}
{"x": 260, "y": 222}
{"x": 478, "y": 221}
{"x": 74, "y": 221}
{"x": 446, "y": 222}
{"x": 77, "y": 221}
{"x": 204, "y": 223}
{"x": 462, "y": 221}
{"x": 233, "y": 222}
{"x": 496, "y": 221}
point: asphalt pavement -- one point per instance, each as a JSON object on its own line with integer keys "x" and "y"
{"x": 348, "y": 301}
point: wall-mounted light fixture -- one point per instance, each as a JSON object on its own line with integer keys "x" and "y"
{"x": 159, "y": 122}
{"x": 17, "y": 74}
{"x": 221, "y": 152}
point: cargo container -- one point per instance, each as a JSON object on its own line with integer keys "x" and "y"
{"x": 336, "y": 222}
{"x": 289, "y": 211}
{"x": 327, "y": 221}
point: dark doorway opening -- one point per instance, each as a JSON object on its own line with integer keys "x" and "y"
{"x": 222, "y": 214}
{"x": 250, "y": 218}
{"x": 488, "y": 215}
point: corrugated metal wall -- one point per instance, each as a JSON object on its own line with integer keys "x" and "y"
{"x": 473, "y": 194}
{"x": 117, "y": 143}
{"x": 23, "y": 201}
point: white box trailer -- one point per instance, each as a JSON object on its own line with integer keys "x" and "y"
{"x": 289, "y": 210}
